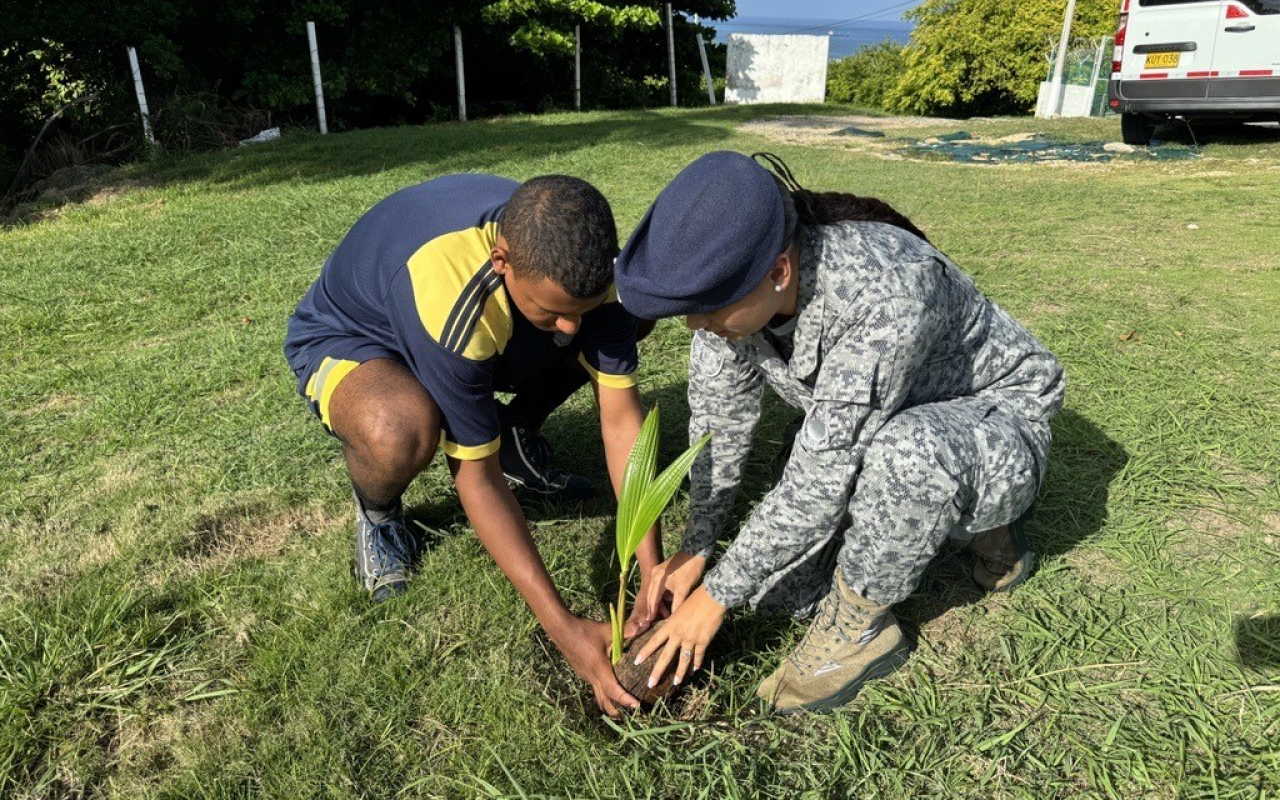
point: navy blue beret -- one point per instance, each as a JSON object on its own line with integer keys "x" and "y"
{"x": 708, "y": 240}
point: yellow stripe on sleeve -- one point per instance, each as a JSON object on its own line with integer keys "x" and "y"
{"x": 455, "y": 450}
{"x": 604, "y": 378}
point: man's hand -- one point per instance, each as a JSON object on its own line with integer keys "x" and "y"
{"x": 500, "y": 524}
{"x": 586, "y": 645}
{"x": 684, "y": 637}
{"x": 672, "y": 582}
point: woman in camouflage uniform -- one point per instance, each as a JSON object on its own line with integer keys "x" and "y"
{"x": 926, "y": 416}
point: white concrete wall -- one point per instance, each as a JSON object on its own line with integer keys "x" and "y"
{"x": 1077, "y": 101}
{"x": 776, "y": 69}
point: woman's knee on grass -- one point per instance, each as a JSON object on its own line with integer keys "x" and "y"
{"x": 917, "y": 456}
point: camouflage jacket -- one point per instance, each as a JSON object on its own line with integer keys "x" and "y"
{"x": 884, "y": 322}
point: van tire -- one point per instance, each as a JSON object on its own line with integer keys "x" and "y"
{"x": 1137, "y": 129}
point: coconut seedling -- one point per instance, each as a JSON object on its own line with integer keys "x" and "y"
{"x": 644, "y": 496}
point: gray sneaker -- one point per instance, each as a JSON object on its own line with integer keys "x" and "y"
{"x": 384, "y": 554}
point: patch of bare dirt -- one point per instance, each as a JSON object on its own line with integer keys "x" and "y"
{"x": 1221, "y": 537}
{"x": 59, "y": 404}
{"x": 1210, "y": 522}
{"x": 825, "y": 126}
{"x": 109, "y": 194}
{"x": 1235, "y": 474}
{"x": 50, "y": 552}
{"x": 247, "y": 531}
{"x": 95, "y": 185}
{"x": 1096, "y": 567}
{"x": 149, "y": 747}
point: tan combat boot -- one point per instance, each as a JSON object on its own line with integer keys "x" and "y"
{"x": 1003, "y": 558}
{"x": 851, "y": 641}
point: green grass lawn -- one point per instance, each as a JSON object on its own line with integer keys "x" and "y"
{"x": 177, "y": 612}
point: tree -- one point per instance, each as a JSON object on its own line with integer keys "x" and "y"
{"x": 624, "y": 54}
{"x": 868, "y": 76}
{"x": 970, "y": 57}
{"x": 215, "y": 70}
{"x": 545, "y": 27}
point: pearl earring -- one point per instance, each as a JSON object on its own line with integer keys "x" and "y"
{"x": 777, "y": 287}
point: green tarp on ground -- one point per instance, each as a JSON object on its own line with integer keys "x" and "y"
{"x": 962, "y": 147}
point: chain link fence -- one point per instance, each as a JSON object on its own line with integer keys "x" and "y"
{"x": 1086, "y": 69}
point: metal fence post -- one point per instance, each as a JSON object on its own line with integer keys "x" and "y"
{"x": 142, "y": 97}
{"x": 1097, "y": 70}
{"x": 1055, "y": 90}
{"x": 462, "y": 79}
{"x": 706, "y": 70}
{"x": 577, "y": 67}
{"x": 315, "y": 77}
{"x": 671, "y": 54}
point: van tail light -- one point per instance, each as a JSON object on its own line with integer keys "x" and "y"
{"x": 1236, "y": 12}
{"x": 1117, "y": 55}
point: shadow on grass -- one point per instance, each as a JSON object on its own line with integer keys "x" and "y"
{"x": 432, "y": 522}
{"x": 496, "y": 145}
{"x": 1071, "y": 507}
{"x": 486, "y": 145}
{"x": 1258, "y": 641}
{"x": 1198, "y": 132}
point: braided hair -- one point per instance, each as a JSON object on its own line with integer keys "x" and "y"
{"x": 805, "y": 207}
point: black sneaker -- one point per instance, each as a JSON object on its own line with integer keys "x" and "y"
{"x": 384, "y": 554}
{"x": 526, "y": 462}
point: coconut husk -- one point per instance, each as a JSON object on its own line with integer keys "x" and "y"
{"x": 634, "y": 678}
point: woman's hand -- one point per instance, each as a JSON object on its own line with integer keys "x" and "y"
{"x": 672, "y": 582}
{"x": 686, "y": 634}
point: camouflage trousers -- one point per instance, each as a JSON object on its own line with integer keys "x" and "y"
{"x": 952, "y": 469}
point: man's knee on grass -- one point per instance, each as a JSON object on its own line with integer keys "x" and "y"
{"x": 385, "y": 417}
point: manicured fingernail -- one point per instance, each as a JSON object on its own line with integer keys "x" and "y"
{"x": 652, "y": 682}
{"x": 675, "y": 681}
{"x": 639, "y": 661}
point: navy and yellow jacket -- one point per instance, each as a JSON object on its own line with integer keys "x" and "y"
{"x": 413, "y": 276}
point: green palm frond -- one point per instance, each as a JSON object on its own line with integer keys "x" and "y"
{"x": 640, "y": 503}
{"x": 641, "y": 466}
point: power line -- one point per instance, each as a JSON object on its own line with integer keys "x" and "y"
{"x": 878, "y": 12}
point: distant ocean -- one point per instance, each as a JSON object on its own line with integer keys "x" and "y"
{"x": 845, "y": 39}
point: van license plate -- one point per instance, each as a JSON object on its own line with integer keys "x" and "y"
{"x": 1162, "y": 60}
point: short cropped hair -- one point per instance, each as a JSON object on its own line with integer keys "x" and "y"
{"x": 562, "y": 228}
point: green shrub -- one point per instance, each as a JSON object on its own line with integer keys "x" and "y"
{"x": 867, "y": 76}
{"x": 986, "y": 57}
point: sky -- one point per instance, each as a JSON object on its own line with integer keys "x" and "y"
{"x": 825, "y": 9}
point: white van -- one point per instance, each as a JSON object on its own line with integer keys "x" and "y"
{"x": 1195, "y": 58}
